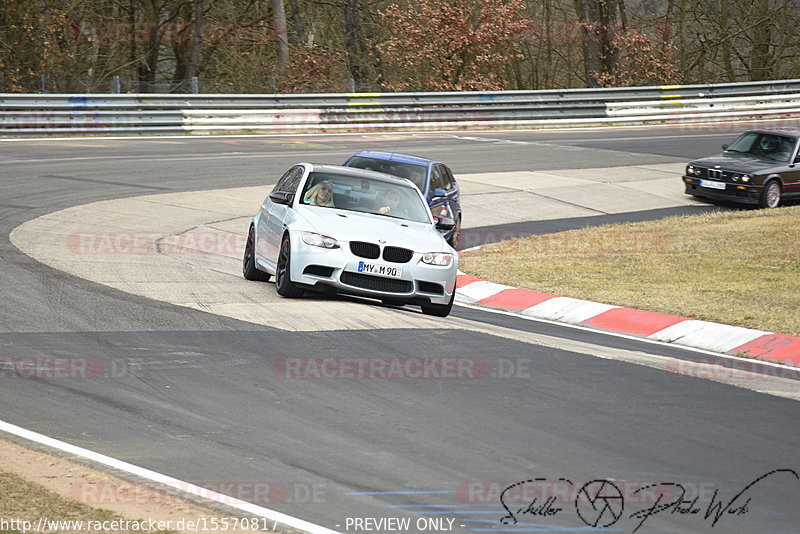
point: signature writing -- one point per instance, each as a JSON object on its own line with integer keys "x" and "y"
{"x": 738, "y": 505}
{"x": 545, "y": 509}
{"x": 600, "y": 503}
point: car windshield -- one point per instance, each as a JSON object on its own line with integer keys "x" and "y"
{"x": 763, "y": 145}
{"x": 415, "y": 173}
{"x": 365, "y": 195}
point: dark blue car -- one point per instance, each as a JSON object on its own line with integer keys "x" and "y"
{"x": 433, "y": 178}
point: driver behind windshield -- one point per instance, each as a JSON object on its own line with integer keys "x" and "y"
{"x": 768, "y": 144}
{"x": 774, "y": 147}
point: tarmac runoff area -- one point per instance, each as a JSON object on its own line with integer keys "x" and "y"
{"x": 185, "y": 248}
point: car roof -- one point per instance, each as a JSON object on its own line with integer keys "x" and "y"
{"x": 361, "y": 173}
{"x": 396, "y": 156}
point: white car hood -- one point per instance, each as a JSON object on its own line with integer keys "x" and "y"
{"x": 349, "y": 226}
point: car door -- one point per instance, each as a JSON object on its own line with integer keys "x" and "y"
{"x": 791, "y": 178}
{"x": 270, "y": 224}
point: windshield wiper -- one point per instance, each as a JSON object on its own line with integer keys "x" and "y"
{"x": 387, "y": 215}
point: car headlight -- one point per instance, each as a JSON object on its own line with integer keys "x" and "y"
{"x": 437, "y": 258}
{"x": 318, "y": 240}
{"x": 690, "y": 169}
{"x": 745, "y": 177}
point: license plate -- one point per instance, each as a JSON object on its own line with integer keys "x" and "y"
{"x": 379, "y": 270}
{"x": 712, "y": 185}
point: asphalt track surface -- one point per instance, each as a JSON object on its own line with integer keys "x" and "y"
{"x": 196, "y": 395}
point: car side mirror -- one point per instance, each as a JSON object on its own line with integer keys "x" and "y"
{"x": 282, "y": 197}
{"x": 445, "y": 223}
{"x": 438, "y": 193}
{"x": 725, "y": 146}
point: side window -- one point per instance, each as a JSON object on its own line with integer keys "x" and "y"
{"x": 281, "y": 185}
{"x": 449, "y": 181}
{"x": 437, "y": 182}
{"x": 294, "y": 179}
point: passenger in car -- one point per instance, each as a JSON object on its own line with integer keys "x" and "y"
{"x": 390, "y": 205}
{"x": 320, "y": 194}
{"x": 418, "y": 177}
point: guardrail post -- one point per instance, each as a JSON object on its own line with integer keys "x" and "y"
{"x": 273, "y": 82}
{"x": 115, "y": 85}
{"x": 195, "y": 86}
{"x": 351, "y": 85}
{"x": 40, "y": 83}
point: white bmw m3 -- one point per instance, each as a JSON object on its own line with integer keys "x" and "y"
{"x": 340, "y": 229}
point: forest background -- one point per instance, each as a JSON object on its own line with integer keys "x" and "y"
{"x": 320, "y": 46}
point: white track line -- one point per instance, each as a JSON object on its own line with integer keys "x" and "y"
{"x": 153, "y": 476}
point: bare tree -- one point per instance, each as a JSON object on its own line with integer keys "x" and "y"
{"x": 281, "y": 33}
{"x": 599, "y": 19}
{"x": 297, "y": 23}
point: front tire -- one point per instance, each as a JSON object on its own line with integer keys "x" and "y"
{"x": 440, "y": 310}
{"x": 283, "y": 283}
{"x": 249, "y": 269}
{"x": 771, "y": 195}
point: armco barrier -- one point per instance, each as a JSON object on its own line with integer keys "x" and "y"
{"x": 790, "y": 103}
{"x": 130, "y": 114}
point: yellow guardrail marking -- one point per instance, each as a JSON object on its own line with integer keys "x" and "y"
{"x": 670, "y": 87}
{"x": 363, "y": 99}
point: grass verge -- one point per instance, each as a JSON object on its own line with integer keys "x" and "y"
{"x": 22, "y": 500}
{"x": 740, "y": 267}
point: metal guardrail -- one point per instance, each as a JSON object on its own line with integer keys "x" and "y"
{"x": 39, "y": 114}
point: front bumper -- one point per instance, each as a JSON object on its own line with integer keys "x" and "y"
{"x": 745, "y": 193}
{"x": 337, "y": 270}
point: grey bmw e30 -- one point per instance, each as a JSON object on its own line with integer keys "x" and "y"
{"x": 760, "y": 167}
